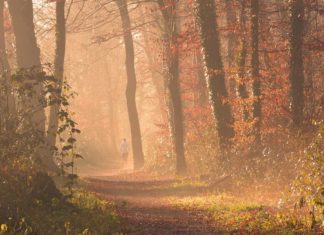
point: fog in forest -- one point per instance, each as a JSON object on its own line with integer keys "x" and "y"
{"x": 95, "y": 69}
{"x": 161, "y": 117}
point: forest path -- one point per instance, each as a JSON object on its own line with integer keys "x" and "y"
{"x": 144, "y": 206}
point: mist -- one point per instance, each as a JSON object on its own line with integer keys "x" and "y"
{"x": 161, "y": 117}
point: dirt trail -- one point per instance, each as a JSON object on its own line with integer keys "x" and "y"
{"x": 144, "y": 207}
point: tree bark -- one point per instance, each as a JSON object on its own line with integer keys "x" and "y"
{"x": 4, "y": 65}
{"x": 214, "y": 71}
{"x": 58, "y": 71}
{"x": 241, "y": 87}
{"x": 296, "y": 66}
{"x": 202, "y": 93}
{"x": 310, "y": 101}
{"x": 28, "y": 60}
{"x": 169, "y": 13}
{"x": 28, "y": 53}
{"x": 28, "y": 56}
{"x": 231, "y": 41}
{"x": 131, "y": 86}
{"x": 256, "y": 86}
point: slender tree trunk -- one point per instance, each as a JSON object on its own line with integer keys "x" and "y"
{"x": 131, "y": 86}
{"x": 241, "y": 88}
{"x": 202, "y": 93}
{"x": 169, "y": 13}
{"x": 58, "y": 71}
{"x": 231, "y": 42}
{"x": 256, "y": 86}
{"x": 214, "y": 71}
{"x": 296, "y": 69}
{"x": 265, "y": 25}
{"x": 309, "y": 90}
{"x": 4, "y": 65}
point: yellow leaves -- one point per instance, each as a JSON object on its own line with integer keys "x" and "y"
{"x": 3, "y": 228}
{"x": 67, "y": 225}
{"x": 85, "y": 232}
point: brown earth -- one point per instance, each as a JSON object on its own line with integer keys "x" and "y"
{"x": 143, "y": 205}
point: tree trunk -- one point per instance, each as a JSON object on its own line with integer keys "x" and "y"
{"x": 231, "y": 42}
{"x": 28, "y": 53}
{"x": 173, "y": 84}
{"x": 296, "y": 68}
{"x": 214, "y": 71}
{"x": 4, "y": 65}
{"x": 28, "y": 58}
{"x": 241, "y": 88}
{"x": 310, "y": 102}
{"x": 58, "y": 70}
{"x": 256, "y": 86}
{"x": 202, "y": 93}
{"x": 131, "y": 86}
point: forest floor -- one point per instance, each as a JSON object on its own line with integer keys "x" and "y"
{"x": 169, "y": 205}
{"x": 145, "y": 205}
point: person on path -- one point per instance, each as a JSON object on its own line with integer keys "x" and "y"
{"x": 124, "y": 150}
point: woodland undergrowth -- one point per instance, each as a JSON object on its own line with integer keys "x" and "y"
{"x": 30, "y": 201}
{"x": 270, "y": 188}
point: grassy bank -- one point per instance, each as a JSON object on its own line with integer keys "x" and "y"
{"x": 24, "y": 211}
{"x": 242, "y": 216}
